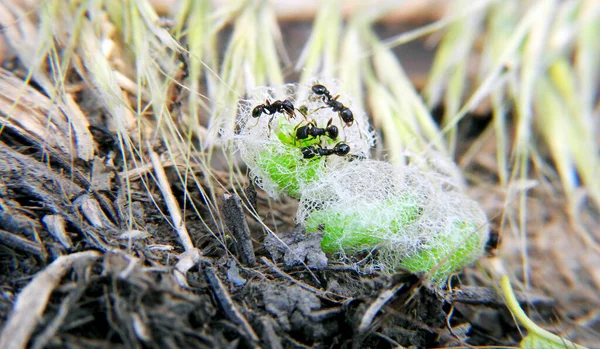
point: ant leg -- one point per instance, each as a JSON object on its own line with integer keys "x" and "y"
{"x": 257, "y": 121}
{"x": 359, "y": 129}
{"x": 357, "y": 126}
{"x": 319, "y": 108}
{"x": 290, "y": 116}
{"x": 343, "y": 127}
{"x": 303, "y": 110}
{"x": 269, "y": 125}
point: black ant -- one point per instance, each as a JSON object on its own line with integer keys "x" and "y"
{"x": 269, "y": 108}
{"x": 344, "y": 112}
{"x": 311, "y": 130}
{"x": 311, "y": 151}
{"x": 493, "y": 242}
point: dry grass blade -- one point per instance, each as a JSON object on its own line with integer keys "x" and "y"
{"x": 449, "y": 70}
{"x": 201, "y": 49}
{"x": 530, "y": 70}
{"x": 103, "y": 78}
{"x": 80, "y": 124}
{"x": 579, "y": 129}
{"x": 32, "y": 46}
{"x": 245, "y": 64}
{"x": 230, "y": 308}
{"x": 501, "y": 22}
{"x": 20, "y": 243}
{"x": 319, "y": 55}
{"x": 32, "y": 115}
{"x": 352, "y": 63}
{"x": 411, "y": 116}
{"x": 434, "y": 27}
{"x": 191, "y": 256}
{"x": 385, "y": 114}
{"x": 367, "y": 319}
{"x": 451, "y": 56}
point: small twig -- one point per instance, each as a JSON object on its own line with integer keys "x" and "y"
{"x": 490, "y": 298}
{"x": 42, "y": 340}
{"x": 408, "y": 282}
{"x": 392, "y": 342}
{"x": 192, "y": 255}
{"x": 451, "y": 330}
{"x": 172, "y": 205}
{"x": 33, "y": 299}
{"x": 375, "y": 307}
{"x": 321, "y": 315}
{"x": 19, "y": 243}
{"x": 229, "y": 307}
{"x": 187, "y": 260}
{"x": 236, "y": 222}
{"x": 309, "y": 288}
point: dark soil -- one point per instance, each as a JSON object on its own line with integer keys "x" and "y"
{"x": 278, "y": 292}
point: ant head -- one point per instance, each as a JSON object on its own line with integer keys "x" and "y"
{"x": 258, "y": 110}
{"x": 286, "y": 103}
{"x": 288, "y": 106}
{"x": 319, "y": 90}
{"x": 302, "y": 132}
{"x": 332, "y": 131}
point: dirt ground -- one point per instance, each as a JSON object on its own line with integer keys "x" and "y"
{"x": 96, "y": 283}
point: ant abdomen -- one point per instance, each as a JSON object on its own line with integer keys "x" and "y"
{"x": 347, "y": 116}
